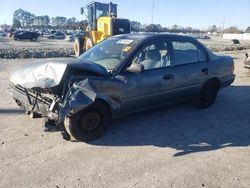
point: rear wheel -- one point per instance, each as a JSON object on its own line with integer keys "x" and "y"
{"x": 78, "y": 46}
{"x": 91, "y": 123}
{"x": 208, "y": 94}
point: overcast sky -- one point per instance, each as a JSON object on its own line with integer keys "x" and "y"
{"x": 194, "y": 13}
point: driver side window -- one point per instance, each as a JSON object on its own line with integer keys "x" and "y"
{"x": 154, "y": 55}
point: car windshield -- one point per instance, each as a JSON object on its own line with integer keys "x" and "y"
{"x": 110, "y": 53}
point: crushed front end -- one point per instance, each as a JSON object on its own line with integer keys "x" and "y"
{"x": 54, "y": 91}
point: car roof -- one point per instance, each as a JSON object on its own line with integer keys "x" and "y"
{"x": 148, "y": 36}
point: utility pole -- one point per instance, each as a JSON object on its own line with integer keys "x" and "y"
{"x": 223, "y": 25}
{"x": 153, "y": 6}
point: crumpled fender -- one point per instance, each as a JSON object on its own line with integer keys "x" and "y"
{"x": 81, "y": 95}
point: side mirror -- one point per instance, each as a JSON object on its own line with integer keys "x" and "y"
{"x": 82, "y": 10}
{"x": 135, "y": 68}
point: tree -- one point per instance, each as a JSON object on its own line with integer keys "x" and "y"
{"x": 214, "y": 28}
{"x": 232, "y": 29}
{"x": 153, "y": 28}
{"x": 18, "y": 16}
{"x": 59, "y": 21}
{"x": 135, "y": 26}
{"x": 24, "y": 17}
{"x": 82, "y": 24}
{"x": 71, "y": 23}
{"x": 42, "y": 21}
{"x": 16, "y": 23}
{"x": 189, "y": 29}
{"x": 247, "y": 30}
{"x": 176, "y": 29}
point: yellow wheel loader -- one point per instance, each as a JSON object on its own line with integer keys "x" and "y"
{"x": 102, "y": 23}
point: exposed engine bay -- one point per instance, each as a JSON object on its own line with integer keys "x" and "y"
{"x": 56, "y": 90}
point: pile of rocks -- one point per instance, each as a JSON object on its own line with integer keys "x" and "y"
{"x": 24, "y": 53}
{"x": 228, "y": 47}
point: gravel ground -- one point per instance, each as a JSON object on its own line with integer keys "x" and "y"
{"x": 42, "y": 48}
{"x": 46, "y": 48}
{"x": 177, "y": 146}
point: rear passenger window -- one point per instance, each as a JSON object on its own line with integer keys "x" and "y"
{"x": 185, "y": 53}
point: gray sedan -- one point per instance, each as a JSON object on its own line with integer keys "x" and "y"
{"x": 121, "y": 75}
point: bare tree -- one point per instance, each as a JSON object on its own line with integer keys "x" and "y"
{"x": 233, "y": 29}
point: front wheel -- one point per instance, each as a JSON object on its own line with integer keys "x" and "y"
{"x": 78, "y": 46}
{"x": 88, "y": 44}
{"x": 208, "y": 94}
{"x": 90, "y": 123}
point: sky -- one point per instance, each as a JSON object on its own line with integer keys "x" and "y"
{"x": 194, "y": 13}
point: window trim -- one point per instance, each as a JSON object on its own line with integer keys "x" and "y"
{"x": 195, "y": 43}
{"x": 203, "y": 50}
{"x": 147, "y": 44}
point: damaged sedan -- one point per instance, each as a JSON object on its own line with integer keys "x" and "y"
{"x": 123, "y": 74}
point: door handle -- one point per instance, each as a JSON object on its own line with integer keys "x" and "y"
{"x": 205, "y": 71}
{"x": 168, "y": 77}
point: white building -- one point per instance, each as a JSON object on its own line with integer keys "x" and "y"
{"x": 245, "y": 36}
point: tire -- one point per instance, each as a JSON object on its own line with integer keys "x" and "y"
{"x": 34, "y": 115}
{"x": 208, "y": 94}
{"x": 90, "y": 123}
{"x": 78, "y": 46}
{"x": 88, "y": 44}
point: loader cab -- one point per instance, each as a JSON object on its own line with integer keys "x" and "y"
{"x": 102, "y": 23}
{"x": 96, "y": 10}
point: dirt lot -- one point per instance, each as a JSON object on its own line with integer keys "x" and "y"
{"x": 178, "y": 146}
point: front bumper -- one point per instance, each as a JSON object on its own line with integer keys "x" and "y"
{"x": 30, "y": 101}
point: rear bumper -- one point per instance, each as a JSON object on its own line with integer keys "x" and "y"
{"x": 227, "y": 80}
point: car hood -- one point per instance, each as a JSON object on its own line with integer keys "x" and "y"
{"x": 49, "y": 74}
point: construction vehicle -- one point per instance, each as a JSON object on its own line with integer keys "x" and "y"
{"x": 102, "y": 23}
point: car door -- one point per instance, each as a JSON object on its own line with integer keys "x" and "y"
{"x": 190, "y": 67}
{"x": 23, "y": 35}
{"x": 29, "y": 35}
{"x": 152, "y": 86}
{"x": 26, "y": 35}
